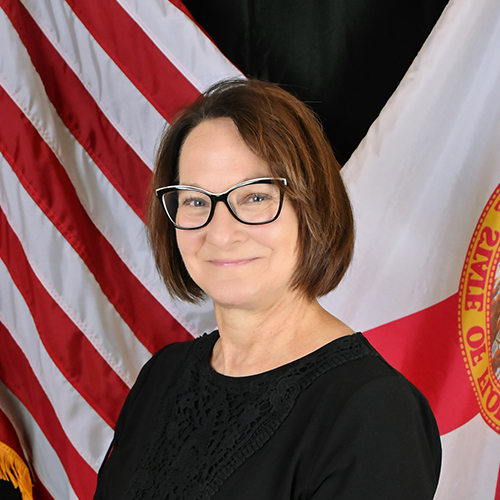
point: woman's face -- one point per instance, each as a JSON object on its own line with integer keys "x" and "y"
{"x": 237, "y": 265}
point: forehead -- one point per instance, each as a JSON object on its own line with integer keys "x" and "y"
{"x": 214, "y": 156}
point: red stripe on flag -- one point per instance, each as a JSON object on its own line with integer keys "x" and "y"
{"x": 45, "y": 179}
{"x": 79, "y": 112}
{"x": 70, "y": 350}
{"x": 17, "y": 375}
{"x": 425, "y": 347}
{"x": 137, "y": 56}
{"x": 8, "y": 434}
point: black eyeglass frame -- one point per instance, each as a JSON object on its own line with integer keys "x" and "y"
{"x": 215, "y": 198}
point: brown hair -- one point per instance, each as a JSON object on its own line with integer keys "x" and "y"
{"x": 287, "y": 135}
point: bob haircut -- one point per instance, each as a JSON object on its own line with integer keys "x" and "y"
{"x": 285, "y": 133}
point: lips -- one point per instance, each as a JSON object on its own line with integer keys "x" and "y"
{"x": 230, "y": 262}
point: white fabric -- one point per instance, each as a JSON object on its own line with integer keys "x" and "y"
{"x": 471, "y": 460}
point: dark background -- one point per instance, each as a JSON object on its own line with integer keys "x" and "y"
{"x": 343, "y": 57}
{"x": 7, "y": 492}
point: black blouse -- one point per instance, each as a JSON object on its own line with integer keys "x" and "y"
{"x": 339, "y": 423}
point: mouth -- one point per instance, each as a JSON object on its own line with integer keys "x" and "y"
{"x": 230, "y": 262}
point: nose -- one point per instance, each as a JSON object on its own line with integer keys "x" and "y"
{"x": 224, "y": 230}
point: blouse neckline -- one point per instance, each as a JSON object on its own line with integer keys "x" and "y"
{"x": 341, "y": 343}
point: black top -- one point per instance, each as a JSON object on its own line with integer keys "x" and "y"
{"x": 339, "y": 423}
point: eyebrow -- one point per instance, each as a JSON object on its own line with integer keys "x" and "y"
{"x": 205, "y": 189}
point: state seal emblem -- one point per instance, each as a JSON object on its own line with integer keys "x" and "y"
{"x": 479, "y": 311}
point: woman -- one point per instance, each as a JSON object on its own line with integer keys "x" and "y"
{"x": 284, "y": 401}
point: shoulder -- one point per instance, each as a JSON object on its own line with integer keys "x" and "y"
{"x": 177, "y": 352}
{"x": 363, "y": 383}
{"x": 173, "y": 358}
{"x": 176, "y": 349}
{"x": 379, "y": 433}
{"x": 355, "y": 366}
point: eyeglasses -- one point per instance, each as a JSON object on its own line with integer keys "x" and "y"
{"x": 257, "y": 201}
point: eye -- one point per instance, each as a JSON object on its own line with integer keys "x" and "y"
{"x": 194, "y": 202}
{"x": 256, "y": 197}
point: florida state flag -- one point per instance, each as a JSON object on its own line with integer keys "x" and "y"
{"x": 425, "y": 280}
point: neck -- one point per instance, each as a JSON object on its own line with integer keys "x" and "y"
{"x": 258, "y": 340}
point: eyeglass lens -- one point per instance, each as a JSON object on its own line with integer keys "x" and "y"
{"x": 253, "y": 203}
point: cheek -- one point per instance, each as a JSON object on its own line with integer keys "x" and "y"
{"x": 282, "y": 243}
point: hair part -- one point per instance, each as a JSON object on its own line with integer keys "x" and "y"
{"x": 285, "y": 133}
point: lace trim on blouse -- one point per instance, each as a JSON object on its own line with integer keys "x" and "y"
{"x": 208, "y": 424}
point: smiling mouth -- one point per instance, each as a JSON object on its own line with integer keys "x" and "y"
{"x": 230, "y": 262}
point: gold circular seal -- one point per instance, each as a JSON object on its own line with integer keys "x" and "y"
{"x": 479, "y": 311}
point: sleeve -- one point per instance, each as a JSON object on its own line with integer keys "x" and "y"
{"x": 384, "y": 445}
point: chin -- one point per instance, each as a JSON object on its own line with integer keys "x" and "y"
{"x": 233, "y": 296}
{"x": 238, "y": 296}
{"x": 233, "y": 301}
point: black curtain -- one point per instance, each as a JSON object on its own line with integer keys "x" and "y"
{"x": 343, "y": 57}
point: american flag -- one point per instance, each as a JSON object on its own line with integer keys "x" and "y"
{"x": 85, "y": 91}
